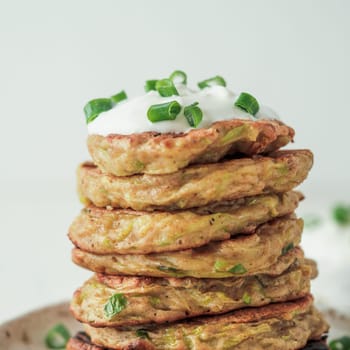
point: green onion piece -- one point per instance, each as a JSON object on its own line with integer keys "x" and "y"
{"x": 212, "y": 82}
{"x": 312, "y": 220}
{"x": 167, "y": 269}
{"x": 163, "y": 111}
{"x": 150, "y": 85}
{"x": 57, "y": 337}
{"x": 142, "y": 333}
{"x": 248, "y": 103}
{"x": 178, "y": 77}
{"x": 287, "y": 248}
{"x": 220, "y": 265}
{"x": 166, "y": 88}
{"x": 342, "y": 343}
{"x": 239, "y": 269}
{"x": 116, "y": 303}
{"x": 193, "y": 114}
{"x": 120, "y": 96}
{"x": 341, "y": 214}
{"x": 246, "y": 298}
{"x": 94, "y": 107}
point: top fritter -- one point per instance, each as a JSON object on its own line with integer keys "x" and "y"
{"x": 172, "y": 126}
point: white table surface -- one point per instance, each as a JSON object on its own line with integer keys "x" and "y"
{"x": 35, "y": 261}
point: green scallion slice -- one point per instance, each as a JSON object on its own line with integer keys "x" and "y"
{"x": 220, "y": 265}
{"x": 167, "y": 269}
{"x": 238, "y": 269}
{"x": 193, "y": 114}
{"x": 120, "y": 96}
{"x": 218, "y": 80}
{"x": 342, "y": 343}
{"x": 164, "y": 111}
{"x": 150, "y": 85}
{"x": 57, "y": 337}
{"x": 341, "y": 214}
{"x": 246, "y": 298}
{"x": 166, "y": 88}
{"x": 142, "y": 333}
{"x": 287, "y": 248}
{"x": 178, "y": 77}
{"x": 248, "y": 103}
{"x": 312, "y": 220}
{"x": 94, "y": 107}
{"x": 115, "y": 304}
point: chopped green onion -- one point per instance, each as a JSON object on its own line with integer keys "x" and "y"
{"x": 239, "y": 269}
{"x": 167, "y": 269}
{"x": 311, "y": 220}
{"x": 142, "y": 333}
{"x": 342, "y": 343}
{"x": 178, "y": 77}
{"x": 193, "y": 114}
{"x": 150, "y": 85}
{"x": 163, "y": 111}
{"x": 166, "y": 88}
{"x": 94, "y": 107}
{"x": 246, "y": 298}
{"x": 341, "y": 214}
{"x": 220, "y": 265}
{"x": 57, "y": 337}
{"x": 116, "y": 303}
{"x": 120, "y": 96}
{"x": 287, "y": 248}
{"x": 212, "y": 82}
{"x": 248, "y": 103}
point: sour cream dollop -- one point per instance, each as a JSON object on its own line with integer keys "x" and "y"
{"x": 130, "y": 116}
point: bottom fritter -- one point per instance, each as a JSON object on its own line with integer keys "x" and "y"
{"x": 287, "y": 326}
{"x": 81, "y": 341}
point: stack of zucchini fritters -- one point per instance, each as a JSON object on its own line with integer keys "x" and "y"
{"x": 194, "y": 241}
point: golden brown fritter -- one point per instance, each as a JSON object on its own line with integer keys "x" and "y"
{"x": 286, "y": 326}
{"x": 196, "y": 185}
{"x": 242, "y": 256}
{"x": 155, "y": 153}
{"x": 81, "y": 341}
{"x": 122, "y": 231}
{"x": 159, "y": 300}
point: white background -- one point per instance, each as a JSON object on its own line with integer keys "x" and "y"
{"x": 56, "y": 55}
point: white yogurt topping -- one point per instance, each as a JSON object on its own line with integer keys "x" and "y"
{"x": 130, "y": 116}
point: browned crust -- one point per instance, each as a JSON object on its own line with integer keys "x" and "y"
{"x": 155, "y": 153}
{"x": 269, "y": 311}
{"x": 83, "y": 342}
{"x": 280, "y": 310}
{"x": 196, "y": 185}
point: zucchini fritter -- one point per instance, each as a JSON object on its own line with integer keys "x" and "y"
{"x": 244, "y": 255}
{"x": 286, "y": 326}
{"x": 81, "y": 341}
{"x": 122, "y": 231}
{"x": 197, "y": 185}
{"x": 159, "y": 300}
{"x": 154, "y": 153}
